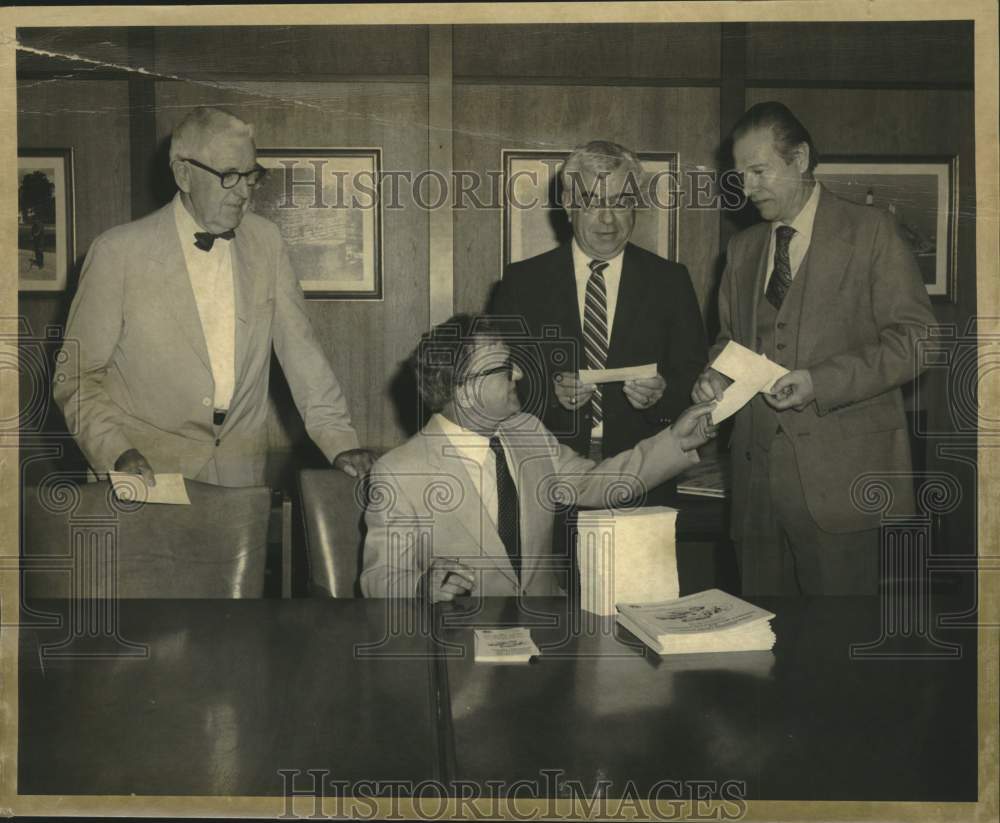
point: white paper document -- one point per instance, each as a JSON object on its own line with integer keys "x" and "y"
{"x": 504, "y": 646}
{"x": 169, "y": 489}
{"x": 595, "y": 376}
{"x": 750, "y": 373}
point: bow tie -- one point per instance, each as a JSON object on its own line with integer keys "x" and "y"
{"x": 204, "y": 240}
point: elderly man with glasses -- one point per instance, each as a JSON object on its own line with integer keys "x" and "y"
{"x": 468, "y": 503}
{"x": 168, "y": 346}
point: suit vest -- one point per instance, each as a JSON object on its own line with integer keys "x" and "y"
{"x": 776, "y": 336}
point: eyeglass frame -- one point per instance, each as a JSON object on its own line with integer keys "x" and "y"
{"x": 258, "y": 170}
{"x": 508, "y": 366}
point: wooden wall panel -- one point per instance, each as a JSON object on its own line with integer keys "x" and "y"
{"x": 865, "y": 53}
{"x": 491, "y": 117}
{"x": 104, "y": 44}
{"x": 91, "y": 117}
{"x": 286, "y": 51}
{"x": 581, "y": 52}
{"x": 364, "y": 340}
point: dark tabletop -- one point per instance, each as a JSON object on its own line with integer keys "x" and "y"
{"x": 805, "y": 721}
{"x": 232, "y": 692}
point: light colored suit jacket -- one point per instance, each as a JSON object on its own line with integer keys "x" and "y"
{"x": 863, "y": 309}
{"x": 423, "y": 504}
{"x": 134, "y": 370}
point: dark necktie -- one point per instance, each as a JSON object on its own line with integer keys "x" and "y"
{"x": 204, "y": 240}
{"x": 781, "y": 277}
{"x": 595, "y": 329}
{"x": 508, "y": 508}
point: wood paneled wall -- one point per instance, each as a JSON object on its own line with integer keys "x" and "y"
{"x": 92, "y": 118}
{"x": 894, "y": 88}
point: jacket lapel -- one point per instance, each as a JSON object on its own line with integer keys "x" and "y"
{"x": 632, "y": 299}
{"x": 175, "y": 282}
{"x": 563, "y": 302}
{"x": 243, "y": 298}
{"x": 826, "y": 262}
{"x": 757, "y": 259}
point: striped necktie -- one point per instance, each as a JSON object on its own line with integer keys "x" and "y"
{"x": 595, "y": 329}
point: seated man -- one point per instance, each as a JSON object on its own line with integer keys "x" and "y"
{"x": 467, "y": 504}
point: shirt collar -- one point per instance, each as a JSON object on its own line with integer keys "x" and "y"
{"x": 803, "y": 222}
{"x": 469, "y": 444}
{"x": 186, "y": 224}
{"x": 581, "y": 260}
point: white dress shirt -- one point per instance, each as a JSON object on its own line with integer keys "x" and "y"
{"x": 211, "y": 274}
{"x": 476, "y": 455}
{"x": 799, "y": 245}
{"x": 612, "y": 282}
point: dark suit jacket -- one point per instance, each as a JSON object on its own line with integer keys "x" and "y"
{"x": 657, "y": 320}
{"x": 863, "y": 309}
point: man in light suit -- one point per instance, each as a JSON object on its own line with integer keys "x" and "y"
{"x": 467, "y": 504}
{"x": 619, "y": 304}
{"x": 169, "y": 337}
{"x": 829, "y": 290}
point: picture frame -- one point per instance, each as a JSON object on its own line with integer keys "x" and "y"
{"x": 921, "y": 192}
{"x": 533, "y": 221}
{"x": 327, "y": 205}
{"x": 46, "y": 227}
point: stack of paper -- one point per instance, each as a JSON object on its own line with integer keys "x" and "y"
{"x": 709, "y": 621}
{"x": 504, "y": 646}
{"x": 626, "y": 555}
{"x": 750, "y": 373}
{"x": 709, "y": 478}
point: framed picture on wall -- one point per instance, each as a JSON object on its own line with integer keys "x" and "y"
{"x": 922, "y": 194}
{"x": 46, "y": 231}
{"x": 533, "y": 221}
{"x": 326, "y": 204}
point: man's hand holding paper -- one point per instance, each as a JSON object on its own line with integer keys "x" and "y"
{"x": 750, "y": 373}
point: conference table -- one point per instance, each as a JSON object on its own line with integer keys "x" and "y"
{"x": 259, "y": 697}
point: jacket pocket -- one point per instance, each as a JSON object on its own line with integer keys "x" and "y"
{"x": 867, "y": 419}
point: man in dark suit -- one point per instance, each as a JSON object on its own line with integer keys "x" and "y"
{"x": 829, "y": 290}
{"x": 619, "y": 304}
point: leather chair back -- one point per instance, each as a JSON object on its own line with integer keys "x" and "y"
{"x": 333, "y": 518}
{"x": 80, "y": 540}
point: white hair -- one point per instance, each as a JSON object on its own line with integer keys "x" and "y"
{"x": 195, "y": 131}
{"x": 600, "y": 157}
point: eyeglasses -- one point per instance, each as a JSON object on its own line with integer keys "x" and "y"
{"x": 507, "y": 367}
{"x": 231, "y": 179}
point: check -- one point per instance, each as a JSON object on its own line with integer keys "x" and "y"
{"x": 595, "y": 376}
{"x": 750, "y": 372}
